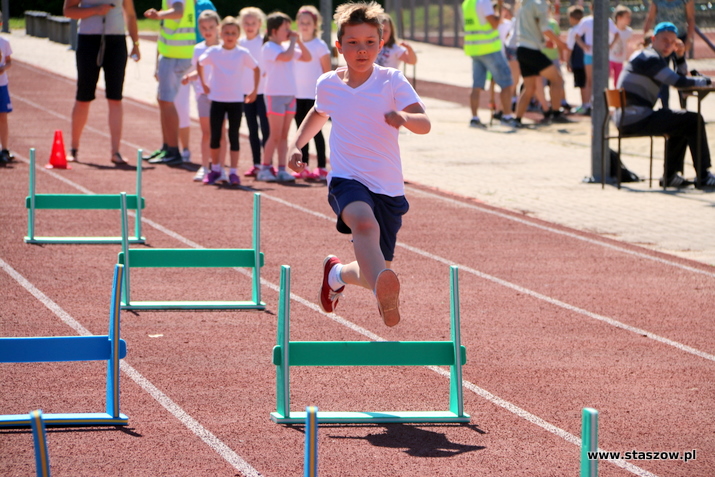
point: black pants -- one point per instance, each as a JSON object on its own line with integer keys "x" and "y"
{"x": 682, "y": 127}
{"x": 302, "y": 108}
{"x": 218, "y": 111}
{"x": 256, "y": 113}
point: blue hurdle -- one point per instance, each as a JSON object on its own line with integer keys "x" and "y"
{"x": 42, "y": 457}
{"x": 310, "y": 465}
{"x": 74, "y": 348}
{"x": 589, "y": 441}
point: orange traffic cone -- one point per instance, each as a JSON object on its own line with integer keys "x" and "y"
{"x": 58, "y": 157}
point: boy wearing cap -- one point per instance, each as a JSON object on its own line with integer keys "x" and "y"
{"x": 641, "y": 79}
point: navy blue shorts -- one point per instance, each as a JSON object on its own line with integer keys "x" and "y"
{"x": 5, "y": 103}
{"x": 388, "y": 210}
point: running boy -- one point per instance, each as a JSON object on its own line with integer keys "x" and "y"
{"x": 5, "y": 104}
{"x": 366, "y": 187}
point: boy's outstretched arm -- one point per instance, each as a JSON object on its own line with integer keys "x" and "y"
{"x": 313, "y": 122}
{"x": 413, "y": 117}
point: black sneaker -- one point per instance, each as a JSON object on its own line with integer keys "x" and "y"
{"x": 676, "y": 180}
{"x": 475, "y": 123}
{"x": 155, "y": 154}
{"x": 6, "y": 157}
{"x": 171, "y": 157}
{"x": 560, "y": 118}
{"x": 707, "y": 181}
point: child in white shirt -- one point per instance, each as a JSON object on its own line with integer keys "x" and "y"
{"x": 251, "y": 21}
{"x": 618, "y": 49}
{"x": 306, "y": 76}
{"x": 280, "y": 91}
{"x": 226, "y": 89}
{"x": 366, "y": 187}
{"x": 393, "y": 53}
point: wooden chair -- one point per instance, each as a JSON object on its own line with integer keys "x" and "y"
{"x": 616, "y": 100}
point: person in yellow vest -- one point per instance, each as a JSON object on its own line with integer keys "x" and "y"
{"x": 482, "y": 43}
{"x": 177, "y": 37}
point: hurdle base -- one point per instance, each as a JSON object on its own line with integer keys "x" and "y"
{"x": 193, "y": 305}
{"x": 376, "y": 417}
{"x": 83, "y": 240}
{"x": 65, "y": 420}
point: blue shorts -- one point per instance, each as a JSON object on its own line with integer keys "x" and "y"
{"x": 587, "y": 59}
{"x": 5, "y": 103}
{"x": 496, "y": 64}
{"x": 170, "y": 72}
{"x": 388, "y": 210}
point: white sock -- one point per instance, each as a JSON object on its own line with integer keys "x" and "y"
{"x": 334, "y": 279}
{"x": 507, "y": 116}
{"x": 475, "y": 118}
{"x": 233, "y": 170}
{"x": 216, "y": 167}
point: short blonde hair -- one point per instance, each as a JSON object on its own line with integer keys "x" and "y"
{"x": 357, "y": 14}
{"x": 231, "y": 21}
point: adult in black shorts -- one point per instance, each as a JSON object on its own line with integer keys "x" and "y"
{"x": 101, "y": 44}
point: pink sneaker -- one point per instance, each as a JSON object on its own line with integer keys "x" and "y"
{"x": 320, "y": 174}
{"x": 387, "y": 291}
{"x": 328, "y": 298}
{"x": 252, "y": 172}
{"x": 304, "y": 174}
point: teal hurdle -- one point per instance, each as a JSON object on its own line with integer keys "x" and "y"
{"x": 193, "y": 258}
{"x": 288, "y": 353}
{"x": 42, "y": 457}
{"x": 108, "y": 348}
{"x": 310, "y": 465}
{"x": 36, "y": 201}
{"x": 589, "y": 441}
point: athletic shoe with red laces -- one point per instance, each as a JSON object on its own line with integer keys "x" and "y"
{"x": 320, "y": 173}
{"x": 304, "y": 174}
{"x": 252, "y": 172}
{"x": 387, "y": 292}
{"x": 328, "y": 298}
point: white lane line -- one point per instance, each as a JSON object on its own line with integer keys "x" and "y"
{"x": 554, "y": 230}
{"x": 192, "y": 424}
{"x": 442, "y": 372}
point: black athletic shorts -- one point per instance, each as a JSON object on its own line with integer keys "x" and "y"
{"x": 579, "y": 78}
{"x": 531, "y": 62}
{"x": 114, "y": 62}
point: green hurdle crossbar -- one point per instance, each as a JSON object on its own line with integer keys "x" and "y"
{"x": 108, "y": 348}
{"x": 368, "y": 353}
{"x": 194, "y": 258}
{"x": 39, "y": 437}
{"x": 82, "y": 202}
{"x": 589, "y": 442}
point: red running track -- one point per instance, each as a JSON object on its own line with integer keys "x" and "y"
{"x": 553, "y": 319}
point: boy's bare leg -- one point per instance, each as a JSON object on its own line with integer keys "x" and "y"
{"x": 169, "y": 123}
{"x": 4, "y": 132}
{"x": 370, "y": 270}
{"x": 526, "y": 95}
{"x": 80, "y": 113}
{"x": 556, "y": 88}
{"x": 116, "y": 115}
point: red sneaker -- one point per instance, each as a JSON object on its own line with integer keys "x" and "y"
{"x": 387, "y": 291}
{"x": 328, "y": 298}
{"x": 252, "y": 172}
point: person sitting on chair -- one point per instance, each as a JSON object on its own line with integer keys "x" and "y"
{"x": 641, "y": 79}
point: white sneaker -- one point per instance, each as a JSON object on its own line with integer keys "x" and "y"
{"x": 224, "y": 176}
{"x": 284, "y": 176}
{"x": 186, "y": 155}
{"x": 266, "y": 175}
{"x": 199, "y": 177}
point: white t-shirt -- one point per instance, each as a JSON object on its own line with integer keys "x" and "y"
{"x": 280, "y": 75}
{"x": 484, "y": 9}
{"x": 618, "y": 51}
{"x": 585, "y": 27}
{"x": 254, "y": 46}
{"x": 389, "y": 56}
{"x": 6, "y": 51}
{"x": 363, "y": 147}
{"x": 229, "y": 68}
{"x": 308, "y": 72}
{"x": 199, "y": 50}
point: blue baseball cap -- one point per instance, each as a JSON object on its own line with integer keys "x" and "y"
{"x": 665, "y": 26}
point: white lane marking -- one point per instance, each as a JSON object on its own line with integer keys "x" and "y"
{"x": 554, "y": 230}
{"x": 192, "y": 424}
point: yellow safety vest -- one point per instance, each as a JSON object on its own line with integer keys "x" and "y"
{"x": 177, "y": 38}
{"x": 479, "y": 38}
